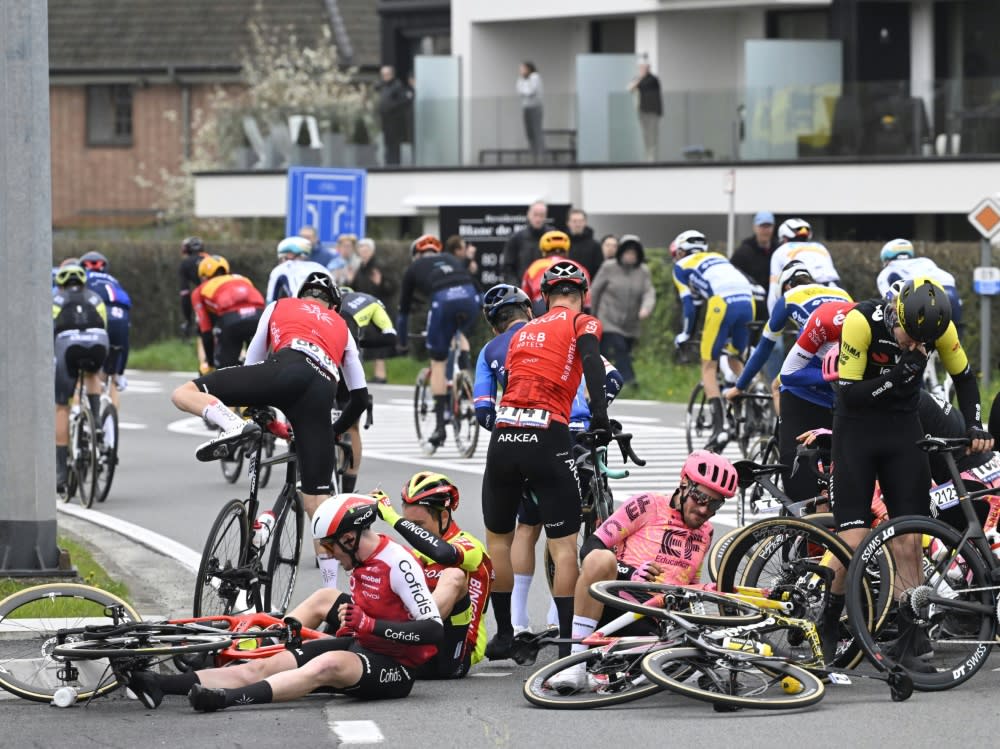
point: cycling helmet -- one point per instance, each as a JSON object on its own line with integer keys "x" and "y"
{"x": 192, "y": 246}
{"x": 794, "y": 274}
{"x": 564, "y": 273}
{"x": 502, "y": 295}
{"x": 711, "y": 471}
{"x": 212, "y": 265}
{"x": 431, "y": 490}
{"x": 923, "y": 309}
{"x": 94, "y": 261}
{"x": 895, "y": 248}
{"x": 69, "y": 275}
{"x": 554, "y": 241}
{"x": 687, "y": 242}
{"x": 425, "y": 243}
{"x": 341, "y": 513}
{"x": 830, "y": 363}
{"x": 295, "y": 246}
{"x": 322, "y": 285}
{"x": 795, "y": 230}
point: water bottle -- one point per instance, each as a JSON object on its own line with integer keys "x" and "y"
{"x": 993, "y": 539}
{"x": 64, "y": 697}
{"x": 744, "y": 645}
{"x": 262, "y": 528}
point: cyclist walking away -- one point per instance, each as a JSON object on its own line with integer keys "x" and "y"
{"x": 650, "y": 538}
{"x": 301, "y": 350}
{"x": 192, "y": 251}
{"x": 795, "y": 239}
{"x": 554, "y": 246}
{"x": 81, "y": 345}
{"x": 227, "y": 307}
{"x": 117, "y": 304}
{"x": 453, "y": 304}
{"x": 709, "y": 276}
{"x": 900, "y": 263}
{"x": 386, "y": 628}
{"x": 292, "y": 268}
{"x": 530, "y": 444}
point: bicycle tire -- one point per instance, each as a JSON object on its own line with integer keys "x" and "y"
{"x": 621, "y": 671}
{"x": 718, "y": 550}
{"x": 697, "y": 419}
{"x": 107, "y": 452}
{"x": 232, "y": 466}
{"x": 30, "y": 619}
{"x": 225, "y": 550}
{"x": 285, "y": 546}
{"x": 264, "y": 471}
{"x": 728, "y": 611}
{"x": 961, "y": 640}
{"x": 423, "y": 405}
{"x": 733, "y": 681}
{"x": 463, "y": 418}
{"x": 86, "y": 457}
{"x": 143, "y": 644}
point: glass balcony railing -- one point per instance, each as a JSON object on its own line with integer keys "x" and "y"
{"x": 849, "y": 122}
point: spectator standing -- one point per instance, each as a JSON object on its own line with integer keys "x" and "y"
{"x": 346, "y": 262}
{"x": 371, "y": 278}
{"x": 393, "y": 106}
{"x": 529, "y": 88}
{"x": 622, "y": 296}
{"x": 753, "y": 258}
{"x": 650, "y": 109}
{"x": 609, "y": 247}
{"x": 521, "y": 249}
{"x": 319, "y": 253}
{"x": 583, "y": 248}
{"x": 464, "y": 251}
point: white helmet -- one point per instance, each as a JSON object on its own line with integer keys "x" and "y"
{"x": 686, "y": 242}
{"x": 795, "y": 273}
{"x": 297, "y": 246}
{"x": 795, "y": 230}
{"x": 341, "y": 513}
{"x": 895, "y": 248}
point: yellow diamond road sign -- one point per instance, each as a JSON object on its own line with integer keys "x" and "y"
{"x": 986, "y": 217}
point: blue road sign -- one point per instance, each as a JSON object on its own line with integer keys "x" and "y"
{"x": 330, "y": 200}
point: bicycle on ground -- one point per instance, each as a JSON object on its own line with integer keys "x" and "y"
{"x": 460, "y": 412}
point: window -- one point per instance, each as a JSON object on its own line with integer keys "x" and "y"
{"x": 109, "y": 115}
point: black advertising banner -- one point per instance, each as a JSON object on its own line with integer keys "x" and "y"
{"x": 488, "y": 228}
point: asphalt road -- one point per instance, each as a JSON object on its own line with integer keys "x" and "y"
{"x": 161, "y": 487}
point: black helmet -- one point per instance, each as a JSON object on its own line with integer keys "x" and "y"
{"x": 500, "y": 296}
{"x": 321, "y": 284}
{"x": 192, "y": 246}
{"x": 923, "y": 309}
{"x": 564, "y": 273}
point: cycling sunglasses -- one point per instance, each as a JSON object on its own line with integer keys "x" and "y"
{"x": 704, "y": 500}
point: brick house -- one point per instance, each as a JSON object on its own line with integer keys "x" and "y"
{"x": 126, "y": 77}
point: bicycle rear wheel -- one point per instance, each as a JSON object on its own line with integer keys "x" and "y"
{"x": 463, "y": 416}
{"x": 85, "y": 457}
{"x": 695, "y": 606}
{"x": 698, "y": 419}
{"x": 718, "y": 551}
{"x": 423, "y": 405}
{"x": 734, "y": 681}
{"x": 283, "y": 554}
{"x": 219, "y": 584}
{"x": 264, "y": 471}
{"x": 232, "y": 466}
{"x": 147, "y": 640}
{"x": 29, "y": 622}
{"x": 107, "y": 450}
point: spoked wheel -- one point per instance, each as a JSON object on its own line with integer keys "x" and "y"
{"x": 84, "y": 456}
{"x": 146, "y": 640}
{"x": 283, "y": 553}
{"x": 944, "y": 627}
{"x": 107, "y": 450}
{"x": 29, "y": 621}
{"x": 463, "y": 416}
{"x": 216, "y": 591}
{"x": 423, "y": 407}
{"x": 733, "y": 681}
{"x": 698, "y": 419}
{"x": 695, "y": 606}
{"x": 608, "y": 679}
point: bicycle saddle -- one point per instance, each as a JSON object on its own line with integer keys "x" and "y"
{"x": 747, "y": 471}
{"x": 943, "y": 444}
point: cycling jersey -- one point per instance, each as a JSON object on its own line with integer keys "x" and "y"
{"x": 118, "y": 303}
{"x": 221, "y": 295}
{"x": 453, "y": 302}
{"x": 108, "y": 288}
{"x": 710, "y": 276}
{"x": 531, "y": 281}
{"x": 812, "y": 254}
{"x": 287, "y": 277}
{"x": 647, "y": 529}
{"x": 361, "y": 310}
{"x": 908, "y": 268}
{"x": 802, "y": 369}
{"x": 77, "y": 308}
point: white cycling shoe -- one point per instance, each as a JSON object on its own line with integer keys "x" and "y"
{"x": 573, "y": 679}
{"x": 226, "y": 444}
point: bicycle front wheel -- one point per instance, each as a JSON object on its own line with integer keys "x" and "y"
{"x": 733, "y": 681}
{"x": 232, "y": 466}
{"x": 219, "y": 582}
{"x": 29, "y": 622}
{"x": 463, "y": 416}
{"x": 695, "y": 606}
{"x": 107, "y": 450}
{"x": 698, "y": 419}
{"x": 85, "y": 457}
{"x": 145, "y": 642}
{"x": 283, "y": 555}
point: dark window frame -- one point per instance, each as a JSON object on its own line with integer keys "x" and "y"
{"x": 109, "y": 115}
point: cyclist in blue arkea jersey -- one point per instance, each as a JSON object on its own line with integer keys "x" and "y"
{"x": 118, "y": 305}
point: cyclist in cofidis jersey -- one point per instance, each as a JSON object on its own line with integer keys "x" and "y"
{"x": 387, "y": 628}
{"x": 652, "y": 537}
{"x": 728, "y": 299}
{"x": 530, "y": 443}
{"x": 900, "y": 263}
{"x": 554, "y": 246}
{"x": 795, "y": 242}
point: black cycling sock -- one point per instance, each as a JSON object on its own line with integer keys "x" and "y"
{"x": 501, "y": 612}
{"x": 254, "y": 694}
{"x": 564, "y": 608}
{"x": 348, "y": 482}
{"x": 464, "y": 359}
{"x": 177, "y": 683}
{"x": 95, "y": 407}
{"x": 440, "y": 403}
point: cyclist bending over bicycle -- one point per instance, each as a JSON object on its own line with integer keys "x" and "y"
{"x": 452, "y": 302}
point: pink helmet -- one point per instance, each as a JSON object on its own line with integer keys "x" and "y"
{"x": 830, "y": 368}
{"x": 711, "y": 471}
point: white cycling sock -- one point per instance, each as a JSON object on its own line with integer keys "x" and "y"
{"x": 519, "y": 602}
{"x": 329, "y": 568}
{"x": 582, "y": 627}
{"x": 217, "y": 413}
{"x": 552, "y": 618}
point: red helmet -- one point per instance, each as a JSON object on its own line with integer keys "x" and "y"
{"x": 711, "y": 471}
{"x": 425, "y": 243}
{"x": 564, "y": 272}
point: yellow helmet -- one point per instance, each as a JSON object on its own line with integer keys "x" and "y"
{"x": 554, "y": 241}
{"x": 210, "y": 265}
{"x": 431, "y": 490}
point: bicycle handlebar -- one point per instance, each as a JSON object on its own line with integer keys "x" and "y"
{"x": 624, "y": 440}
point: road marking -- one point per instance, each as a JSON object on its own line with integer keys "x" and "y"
{"x": 193, "y": 426}
{"x": 490, "y": 674}
{"x": 354, "y": 731}
{"x": 131, "y": 425}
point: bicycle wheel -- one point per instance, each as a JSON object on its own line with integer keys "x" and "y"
{"x": 695, "y": 606}
{"x": 29, "y": 622}
{"x": 423, "y": 405}
{"x": 232, "y": 466}
{"x": 107, "y": 450}
{"x": 218, "y": 584}
{"x": 598, "y": 504}
{"x": 612, "y": 678}
{"x": 85, "y": 457}
{"x": 283, "y": 554}
{"x": 944, "y": 628}
{"x": 145, "y": 641}
{"x": 698, "y": 419}
{"x": 734, "y": 681}
{"x": 718, "y": 550}
{"x": 463, "y": 417}
{"x": 264, "y": 471}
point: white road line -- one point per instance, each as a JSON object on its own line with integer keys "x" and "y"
{"x": 131, "y": 425}
{"x": 193, "y": 426}
{"x": 353, "y": 731}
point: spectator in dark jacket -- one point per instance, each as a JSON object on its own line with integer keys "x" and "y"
{"x": 583, "y": 248}
{"x": 455, "y": 245}
{"x": 521, "y": 249}
{"x": 753, "y": 258}
{"x": 650, "y": 109}
{"x": 393, "y": 103}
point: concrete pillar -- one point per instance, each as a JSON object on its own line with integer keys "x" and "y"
{"x": 27, "y": 422}
{"x": 922, "y": 55}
